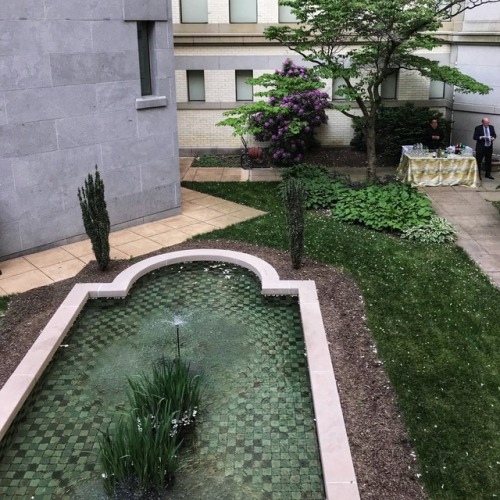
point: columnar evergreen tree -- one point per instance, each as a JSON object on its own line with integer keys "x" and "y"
{"x": 95, "y": 217}
{"x": 294, "y": 195}
{"x": 363, "y": 42}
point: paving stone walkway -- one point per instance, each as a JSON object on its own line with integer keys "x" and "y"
{"x": 469, "y": 210}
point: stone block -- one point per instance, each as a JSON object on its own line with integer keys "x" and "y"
{"x": 163, "y": 36}
{"x": 162, "y": 198}
{"x": 72, "y": 69}
{"x": 44, "y": 200}
{"x": 10, "y": 239}
{"x": 164, "y": 88}
{"x": 93, "y": 129}
{"x": 146, "y": 10}
{"x": 119, "y": 154}
{"x": 147, "y": 203}
{"x": 65, "y": 37}
{"x": 150, "y": 101}
{"x": 31, "y": 170}
{"x": 164, "y": 62}
{"x": 159, "y": 173}
{"x": 6, "y": 173}
{"x": 22, "y": 9}
{"x": 37, "y": 231}
{"x": 151, "y": 121}
{"x": 126, "y": 209}
{"x": 84, "y": 9}
{"x": 3, "y": 116}
{"x": 19, "y": 38}
{"x": 117, "y": 95}
{"x": 24, "y": 72}
{"x": 50, "y": 102}
{"x": 114, "y": 36}
{"x": 11, "y": 208}
{"x": 63, "y": 169}
{"x": 121, "y": 182}
{"x": 27, "y": 138}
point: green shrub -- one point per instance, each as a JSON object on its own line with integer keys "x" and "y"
{"x": 391, "y": 207}
{"x": 322, "y": 190}
{"x": 217, "y": 161}
{"x": 397, "y": 126}
{"x": 437, "y": 230}
{"x": 305, "y": 171}
{"x": 384, "y": 206}
{"x": 294, "y": 196}
{"x": 142, "y": 451}
{"x": 95, "y": 217}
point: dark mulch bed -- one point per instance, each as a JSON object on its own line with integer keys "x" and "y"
{"x": 330, "y": 157}
{"x": 380, "y": 448}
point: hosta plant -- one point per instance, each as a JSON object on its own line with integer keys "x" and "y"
{"x": 437, "y": 230}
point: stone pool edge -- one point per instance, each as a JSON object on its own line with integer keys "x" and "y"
{"x": 338, "y": 470}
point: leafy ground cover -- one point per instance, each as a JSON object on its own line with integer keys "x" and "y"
{"x": 436, "y": 334}
{"x": 228, "y": 161}
{"x": 4, "y": 303}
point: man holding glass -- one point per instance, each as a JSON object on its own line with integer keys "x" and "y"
{"x": 484, "y": 135}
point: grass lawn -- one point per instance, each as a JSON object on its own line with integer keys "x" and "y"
{"x": 436, "y": 321}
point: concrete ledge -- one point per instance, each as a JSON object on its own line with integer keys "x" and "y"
{"x": 338, "y": 470}
{"x": 150, "y": 101}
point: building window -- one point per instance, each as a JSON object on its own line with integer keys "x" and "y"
{"x": 336, "y": 83}
{"x": 436, "y": 90}
{"x": 144, "y": 29}
{"x": 286, "y": 15}
{"x": 194, "y": 11}
{"x": 389, "y": 87}
{"x": 243, "y": 11}
{"x": 244, "y": 90}
{"x": 196, "y": 85}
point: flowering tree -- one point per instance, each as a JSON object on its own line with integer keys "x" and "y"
{"x": 287, "y": 120}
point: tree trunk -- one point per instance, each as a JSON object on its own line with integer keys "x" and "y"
{"x": 371, "y": 153}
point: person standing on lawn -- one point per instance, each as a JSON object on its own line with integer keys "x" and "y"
{"x": 484, "y": 135}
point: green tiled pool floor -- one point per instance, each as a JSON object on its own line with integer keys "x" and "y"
{"x": 255, "y": 436}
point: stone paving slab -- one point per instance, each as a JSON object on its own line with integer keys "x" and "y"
{"x": 476, "y": 220}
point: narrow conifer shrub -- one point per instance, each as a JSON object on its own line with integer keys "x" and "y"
{"x": 294, "y": 195}
{"x": 95, "y": 217}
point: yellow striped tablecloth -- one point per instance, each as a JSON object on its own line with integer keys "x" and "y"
{"x": 427, "y": 171}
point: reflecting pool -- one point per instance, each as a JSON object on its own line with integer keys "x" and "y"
{"x": 255, "y": 434}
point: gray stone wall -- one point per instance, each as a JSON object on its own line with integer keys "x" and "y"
{"x": 70, "y": 99}
{"x": 477, "y": 53}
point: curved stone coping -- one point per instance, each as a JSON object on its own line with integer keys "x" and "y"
{"x": 338, "y": 470}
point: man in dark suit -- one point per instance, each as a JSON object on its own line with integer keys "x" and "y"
{"x": 484, "y": 135}
{"x": 433, "y": 135}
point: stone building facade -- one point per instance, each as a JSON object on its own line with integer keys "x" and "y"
{"x": 74, "y": 94}
{"x": 215, "y": 40}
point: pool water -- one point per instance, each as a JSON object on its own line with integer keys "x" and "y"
{"x": 255, "y": 434}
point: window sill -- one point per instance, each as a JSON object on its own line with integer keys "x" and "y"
{"x": 150, "y": 101}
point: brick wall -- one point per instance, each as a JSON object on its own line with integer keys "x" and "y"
{"x": 412, "y": 86}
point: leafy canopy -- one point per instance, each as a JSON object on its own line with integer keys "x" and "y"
{"x": 365, "y": 41}
{"x": 362, "y": 42}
